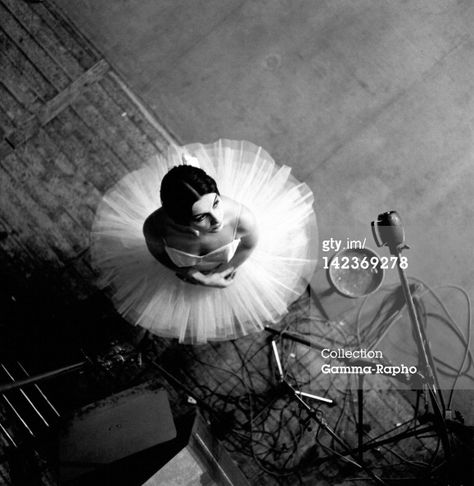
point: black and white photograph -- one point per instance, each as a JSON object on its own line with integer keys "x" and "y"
{"x": 236, "y": 242}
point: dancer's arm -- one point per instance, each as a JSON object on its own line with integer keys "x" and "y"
{"x": 155, "y": 244}
{"x": 247, "y": 231}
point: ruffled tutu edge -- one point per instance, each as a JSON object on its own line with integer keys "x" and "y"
{"x": 149, "y": 294}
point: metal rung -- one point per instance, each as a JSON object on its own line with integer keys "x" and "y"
{"x": 25, "y": 396}
{"x": 46, "y": 399}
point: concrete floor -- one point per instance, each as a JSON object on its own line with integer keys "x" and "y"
{"x": 370, "y": 101}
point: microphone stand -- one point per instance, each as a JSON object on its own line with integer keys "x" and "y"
{"x": 390, "y": 233}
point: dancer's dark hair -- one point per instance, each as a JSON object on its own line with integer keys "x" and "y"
{"x": 181, "y": 187}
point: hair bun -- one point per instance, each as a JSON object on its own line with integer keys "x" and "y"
{"x": 180, "y": 156}
{"x": 189, "y": 159}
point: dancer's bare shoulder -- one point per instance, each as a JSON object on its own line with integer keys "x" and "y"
{"x": 242, "y": 219}
{"x": 154, "y": 230}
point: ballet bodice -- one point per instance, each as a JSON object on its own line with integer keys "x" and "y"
{"x": 208, "y": 261}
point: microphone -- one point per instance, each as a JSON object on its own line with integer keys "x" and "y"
{"x": 388, "y": 230}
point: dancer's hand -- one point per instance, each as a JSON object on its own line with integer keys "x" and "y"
{"x": 221, "y": 279}
{"x": 216, "y": 279}
{"x": 189, "y": 275}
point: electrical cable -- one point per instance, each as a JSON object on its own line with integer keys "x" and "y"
{"x": 466, "y": 340}
{"x": 275, "y": 451}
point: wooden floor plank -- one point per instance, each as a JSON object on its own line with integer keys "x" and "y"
{"x": 15, "y": 253}
{"x": 68, "y": 181}
{"x": 6, "y": 123}
{"x": 16, "y": 210}
{"x": 37, "y": 82}
{"x": 45, "y": 64}
{"x": 5, "y": 149}
{"x": 11, "y": 108}
{"x": 61, "y": 133}
{"x": 40, "y": 224}
{"x": 69, "y": 37}
{"x": 47, "y": 217}
{"x": 73, "y": 91}
{"x": 41, "y": 186}
{"x": 114, "y": 114}
{"x": 94, "y": 145}
{"x": 44, "y": 37}
{"x": 16, "y": 83}
{"x": 53, "y": 107}
{"x": 133, "y": 113}
{"x": 107, "y": 133}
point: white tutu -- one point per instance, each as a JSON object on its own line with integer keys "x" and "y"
{"x": 147, "y": 293}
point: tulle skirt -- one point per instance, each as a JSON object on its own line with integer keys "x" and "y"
{"x": 148, "y": 294}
